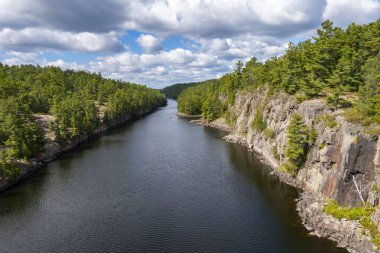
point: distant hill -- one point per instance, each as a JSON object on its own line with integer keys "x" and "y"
{"x": 174, "y": 90}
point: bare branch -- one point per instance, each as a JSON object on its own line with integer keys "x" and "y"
{"x": 358, "y": 189}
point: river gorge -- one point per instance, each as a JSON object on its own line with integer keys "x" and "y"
{"x": 158, "y": 184}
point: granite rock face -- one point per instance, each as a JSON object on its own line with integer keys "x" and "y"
{"x": 342, "y": 152}
{"x": 347, "y": 234}
{"x": 342, "y": 164}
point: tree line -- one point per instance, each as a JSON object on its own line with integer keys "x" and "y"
{"x": 174, "y": 90}
{"x": 80, "y": 102}
{"x": 340, "y": 65}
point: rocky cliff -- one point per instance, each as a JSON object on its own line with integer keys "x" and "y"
{"x": 342, "y": 164}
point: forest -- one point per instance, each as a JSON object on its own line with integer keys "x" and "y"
{"x": 339, "y": 65}
{"x": 79, "y": 102}
{"x": 174, "y": 90}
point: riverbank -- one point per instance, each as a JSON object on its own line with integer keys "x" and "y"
{"x": 348, "y": 234}
{"x": 54, "y": 150}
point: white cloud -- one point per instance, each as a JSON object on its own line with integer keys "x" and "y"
{"x": 149, "y": 43}
{"x": 243, "y": 47}
{"x": 219, "y": 32}
{"x": 38, "y": 39}
{"x": 65, "y": 65}
{"x": 160, "y": 69}
{"x": 17, "y": 58}
{"x": 344, "y": 12}
{"x": 224, "y": 18}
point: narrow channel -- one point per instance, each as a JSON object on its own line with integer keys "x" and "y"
{"x": 159, "y": 184}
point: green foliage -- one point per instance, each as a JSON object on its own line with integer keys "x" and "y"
{"x": 259, "y": 124}
{"x": 8, "y": 169}
{"x": 174, "y": 90}
{"x": 211, "y": 108}
{"x": 372, "y": 228}
{"x": 301, "y": 97}
{"x": 230, "y": 118}
{"x": 190, "y": 101}
{"x": 355, "y": 116}
{"x": 75, "y": 116}
{"x": 289, "y": 167}
{"x": 269, "y": 133}
{"x": 328, "y": 119}
{"x": 297, "y": 140}
{"x": 19, "y": 129}
{"x": 335, "y": 63}
{"x": 275, "y": 153}
{"x": 335, "y": 100}
{"x": 373, "y": 131}
{"x": 369, "y": 94}
{"x": 361, "y": 214}
{"x": 73, "y": 98}
{"x": 312, "y": 136}
{"x": 350, "y": 213}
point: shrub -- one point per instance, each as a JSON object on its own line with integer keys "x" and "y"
{"x": 350, "y": 213}
{"x": 258, "y": 123}
{"x": 290, "y": 168}
{"x": 322, "y": 145}
{"x": 230, "y": 118}
{"x": 355, "y": 116}
{"x": 371, "y": 226}
{"x": 361, "y": 214}
{"x": 328, "y": 119}
{"x": 312, "y": 136}
{"x": 275, "y": 153}
{"x": 301, "y": 97}
{"x": 269, "y": 133}
{"x": 335, "y": 100}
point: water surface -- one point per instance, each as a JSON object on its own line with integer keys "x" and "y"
{"x": 157, "y": 185}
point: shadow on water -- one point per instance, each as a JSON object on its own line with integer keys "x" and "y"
{"x": 157, "y": 185}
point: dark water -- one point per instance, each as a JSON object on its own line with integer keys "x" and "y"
{"x": 157, "y": 185}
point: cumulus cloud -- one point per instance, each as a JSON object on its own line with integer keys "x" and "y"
{"x": 37, "y": 39}
{"x": 220, "y": 33}
{"x": 149, "y": 43}
{"x": 69, "y": 15}
{"x": 162, "y": 68}
{"x": 224, "y": 18}
{"x": 344, "y": 12}
{"x": 17, "y": 58}
{"x": 243, "y": 47}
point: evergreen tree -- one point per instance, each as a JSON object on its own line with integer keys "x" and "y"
{"x": 297, "y": 140}
{"x": 211, "y": 108}
{"x": 369, "y": 94}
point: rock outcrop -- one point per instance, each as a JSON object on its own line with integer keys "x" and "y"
{"x": 343, "y": 163}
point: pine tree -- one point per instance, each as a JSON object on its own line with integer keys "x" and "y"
{"x": 369, "y": 94}
{"x": 211, "y": 108}
{"x": 297, "y": 136}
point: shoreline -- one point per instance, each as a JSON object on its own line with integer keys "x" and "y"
{"x": 345, "y": 233}
{"x": 53, "y": 150}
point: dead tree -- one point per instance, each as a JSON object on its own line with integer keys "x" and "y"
{"x": 359, "y": 189}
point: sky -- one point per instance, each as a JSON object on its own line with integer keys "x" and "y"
{"x": 162, "y": 42}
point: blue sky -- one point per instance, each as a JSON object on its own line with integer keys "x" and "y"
{"x": 161, "y": 42}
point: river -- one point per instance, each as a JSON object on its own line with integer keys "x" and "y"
{"x": 159, "y": 184}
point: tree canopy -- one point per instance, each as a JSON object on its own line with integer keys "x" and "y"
{"x": 76, "y": 99}
{"x": 332, "y": 64}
